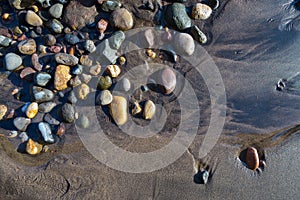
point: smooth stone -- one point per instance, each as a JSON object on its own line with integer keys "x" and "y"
{"x": 46, "y": 107}
{"x": 42, "y": 78}
{"x": 33, "y": 19}
{"x": 252, "y": 158}
{"x": 118, "y": 110}
{"x": 27, "y": 47}
{"x": 104, "y": 83}
{"x": 104, "y": 98}
{"x": 102, "y": 25}
{"x": 3, "y": 111}
{"x": 177, "y": 17}
{"x": 46, "y": 132}
{"x": 66, "y": 59}
{"x": 5, "y": 41}
{"x": 74, "y": 82}
{"x": 13, "y": 134}
{"x": 85, "y": 60}
{"x": 44, "y": 3}
{"x": 83, "y": 121}
{"x": 113, "y": 71}
{"x": 89, "y": 46}
{"x": 21, "y": 123}
{"x": 185, "y": 44}
{"x": 68, "y": 113}
{"x": 86, "y": 78}
{"x": 61, "y": 130}
{"x": 125, "y": 84}
{"x": 107, "y": 54}
{"x": 72, "y": 97}
{"x": 109, "y": 6}
{"x": 168, "y": 79}
{"x": 198, "y": 35}
{"x": 25, "y": 106}
{"x": 71, "y": 39}
{"x": 56, "y": 26}
{"x": 35, "y": 62}
{"x": 42, "y": 95}
{"x": 32, "y": 110}
{"x": 62, "y": 77}
{"x": 201, "y": 11}
{"x": 33, "y": 148}
{"x": 27, "y": 73}
{"x": 83, "y": 91}
{"x": 149, "y": 109}
{"x": 77, "y": 70}
{"x": 51, "y": 120}
{"x": 24, "y": 137}
{"x": 56, "y": 10}
{"x": 95, "y": 70}
{"x": 117, "y": 39}
{"x": 50, "y": 40}
{"x": 121, "y": 19}
{"x": 12, "y": 61}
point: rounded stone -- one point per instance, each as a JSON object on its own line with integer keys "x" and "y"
{"x": 149, "y": 109}
{"x": 102, "y": 25}
{"x": 50, "y": 40}
{"x": 33, "y": 148}
{"x": 118, "y": 110}
{"x": 110, "y": 5}
{"x": 89, "y": 46}
{"x": 252, "y": 158}
{"x": 113, "y": 70}
{"x": 116, "y": 40}
{"x": 35, "y": 62}
{"x": 72, "y": 98}
{"x": 56, "y": 26}
{"x": 27, "y": 73}
{"x": 104, "y": 98}
{"x": 21, "y": 123}
{"x": 27, "y": 47}
{"x": 33, "y": 19}
{"x": 71, "y": 39}
{"x": 83, "y": 121}
{"x": 95, "y": 70}
{"x": 42, "y": 78}
{"x": 46, "y": 132}
{"x": 121, "y": 19}
{"x": 184, "y": 44}
{"x": 66, "y": 59}
{"x": 83, "y": 91}
{"x": 68, "y": 113}
{"x": 3, "y": 111}
{"x": 46, "y": 107}
{"x": 5, "y": 41}
{"x": 104, "y": 83}
{"x": 125, "y": 84}
{"x": 41, "y": 94}
{"x": 62, "y": 76}
{"x": 198, "y": 35}
{"x": 177, "y": 17}
{"x": 12, "y": 61}
{"x": 51, "y": 120}
{"x": 56, "y": 10}
{"x": 32, "y": 110}
{"x": 168, "y": 79}
{"x": 201, "y": 11}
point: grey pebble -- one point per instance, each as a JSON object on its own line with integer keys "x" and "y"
{"x": 117, "y": 39}
{"x": 42, "y": 78}
{"x": 5, "y": 41}
{"x": 83, "y": 121}
{"x": 46, "y": 132}
{"x": 21, "y": 123}
{"x": 51, "y": 120}
{"x": 24, "y": 137}
{"x": 50, "y": 39}
{"x": 12, "y": 61}
{"x": 41, "y": 94}
{"x": 71, "y": 39}
{"x": 177, "y": 17}
{"x": 56, "y": 10}
{"x": 110, "y": 5}
{"x": 66, "y": 59}
{"x": 68, "y": 113}
{"x": 46, "y": 107}
{"x": 56, "y": 26}
{"x": 89, "y": 46}
{"x": 72, "y": 97}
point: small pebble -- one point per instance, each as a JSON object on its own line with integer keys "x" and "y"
{"x": 85, "y": 60}
{"x": 24, "y": 137}
{"x": 56, "y": 26}
{"x": 68, "y": 113}
{"x": 83, "y": 121}
{"x": 168, "y": 79}
{"x": 33, "y": 148}
{"x": 252, "y": 158}
{"x": 13, "y": 134}
{"x": 51, "y": 120}
{"x": 61, "y": 77}
{"x": 61, "y": 130}
{"x": 116, "y": 40}
{"x": 95, "y": 70}
{"x": 27, "y": 47}
{"x": 185, "y": 44}
{"x": 21, "y": 123}
{"x": 50, "y": 40}
{"x": 42, "y": 95}
{"x": 3, "y": 111}
{"x": 201, "y": 11}
{"x": 35, "y": 62}
{"x": 125, "y": 84}
{"x": 113, "y": 70}
{"x": 83, "y": 91}
{"x": 121, "y": 19}
{"x": 89, "y": 46}
{"x": 104, "y": 98}
{"x": 198, "y": 35}
{"x": 27, "y": 73}
{"x": 77, "y": 70}
{"x": 42, "y": 78}
{"x": 104, "y": 83}
{"x": 46, "y": 132}
{"x": 71, "y": 39}
{"x": 72, "y": 98}
{"x": 110, "y": 5}
{"x": 118, "y": 110}
{"x": 5, "y": 41}
{"x": 151, "y": 53}
{"x": 66, "y": 59}
{"x": 12, "y": 61}
{"x": 102, "y": 25}
{"x": 122, "y": 60}
{"x": 86, "y": 78}
{"x": 149, "y": 110}
{"x": 33, "y": 19}
{"x": 136, "y": 109}
{"x": 32, "y": 110}
{"x": 56, "y": 10}
{"x": 46, "y": 107}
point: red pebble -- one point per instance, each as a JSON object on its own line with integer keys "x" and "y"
{"x": 55, "y": 49}
{"x": 61, "y": 130}
{"x": 102, "y": 25}
{"x": 252, "y": 158}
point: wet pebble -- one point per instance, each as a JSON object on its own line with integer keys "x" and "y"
{"x": 42, "y": 94}
{"x": 177, "y": 17}
{"x": 66, "y": 59}
{"x": 149, "y": 109}
{"x": 61, "y": 77}
{"x": 21, "y": 123}
{"x": 33, "y": 19}
{"x": 121, "y": 19}
{"x": 104, "y": 98}
{"x": 104, "y": 83}
{"x": 68, "y": 113}
{"x": 51, "y": 120}
{"x": 46, "y": 132}
{"x": 3, "y": 111}
{"x": 201, "y": 11}
{"x": 71, "y": 39}
{"x": 83, "y": 91}
{"x": 42, "y": 78}
{"x": 32, "y": 110}
{"x": 33, "y": 148}
{"x": 168, "y": 79}
{"x": 56, "y": 10}
{"x": 46, "y": 107}
{"x": 185, "y": 44}
{"x": 5, "y": 41}
{"x": 12, "y": 61}
{"x": 83, "y": 121}
{"x": 118, "y": 110}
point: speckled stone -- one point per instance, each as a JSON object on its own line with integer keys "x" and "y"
{"x": 33, "y": 19}
{"x": 83, "y": 91}
{"x": 12, "y": 61}
{"x": 61, "y": 77}
{"x": 176, "y": 17}
{"x": 121, "y": 19}
{"x": 66, "y": 59}
{"x": 68, "y": 113}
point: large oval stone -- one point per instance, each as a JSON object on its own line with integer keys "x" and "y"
{"x": 121, "y": 19}
{"x": 118, "y": 110}
{"x": 33, "y": 19}
{"x": 252, "y": 158}
{"x": 184, "y": 45}
{"x": 176, "y": 17}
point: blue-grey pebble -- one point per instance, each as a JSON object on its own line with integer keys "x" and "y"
{"x": 42, "y": 94}
{"x": 72, "y": 39}
{"x": 42, "y": 78}
{"x": 5, "y": 41}
{"x": 12, "y": 61}
{"x": 46, "y": 132}
{"x": 21, "y": 123}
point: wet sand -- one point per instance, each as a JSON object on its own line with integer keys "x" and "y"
{"x": 252, "y": 55}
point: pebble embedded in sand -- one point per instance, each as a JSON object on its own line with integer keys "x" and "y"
{"x": 118, "y": 110}
{"x": 252, "y": 158}
{"x": 32, "y": 110}
{"x": 149, "y": 110}
{"x": 33, "y": 147}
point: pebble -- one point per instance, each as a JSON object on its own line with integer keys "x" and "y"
{"x": 35, "y": 62}
{"x": 136, "y": 109}
{"x": 33, "y": 148}
{"x": 32, "y": 110}
{"x": 46, "y": 107}
{"x": 86, "y": 78}
{"x": 149, "y": 109}
{"x": 13, "y": 134}
{"x": 3, "y": 111}
{"x": 74, "y": 82}
{"x": 95, "y": 70}
{"x": 118, "y": 110}
{"x": 68, "y": 113}
{"x": 72, "y": 98}
{"x": 104, "y": 83}
{"x": 122, "y": 60}
{"x": 71, "y": 39}
{"x": 89, "y": 46}
{"x": 56, "y": 10}
{"x": 33, "y": 19}
{"x": 24, "y": 107}
{"x": 108, "y": 54}
{"x": 102, "y": 25}
{"x": 27, "y": 47}
{"x": 24, "y": 137}
{"x": 83, "y": 121}
{"x": 109, "y": 6}
{"x": 125, "y": 84}
{"x": 51, "y": 120}
{"x": 121, "y": 19}
{"x": 12, "y": 61}
{"x": 113, "y": 70}
{"x": 42, "y": 95}
{"x": 252, "y": 158}
{"x": 50, "y": 40}
{"x": 46, "y": 132}
{"x": 61, "y": 77}
{"x": 66, "y": 59}
{"x": 56, "y": 26}
{"x": 117, "y": 39}
{"x": 42, "y": 78}
{"x": 168, "y": 79}
{"x": 198, "y": 35}
{"x": 151, "y": 53}
{"x": 201, "y": 11}
{"x": 104, "y": 98}
{"x": 177, "y": 17}
{"x": 5, "y": 41}
{"x": 85, "y": 60}
{"x": 83, "y": 91}
{"x": 61, "y": 130}
{"x": 77, "y": 70}
{"x": 185, "y": 44}
{"x": 21, "y": 123}
{"x": 27, "y": 73}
